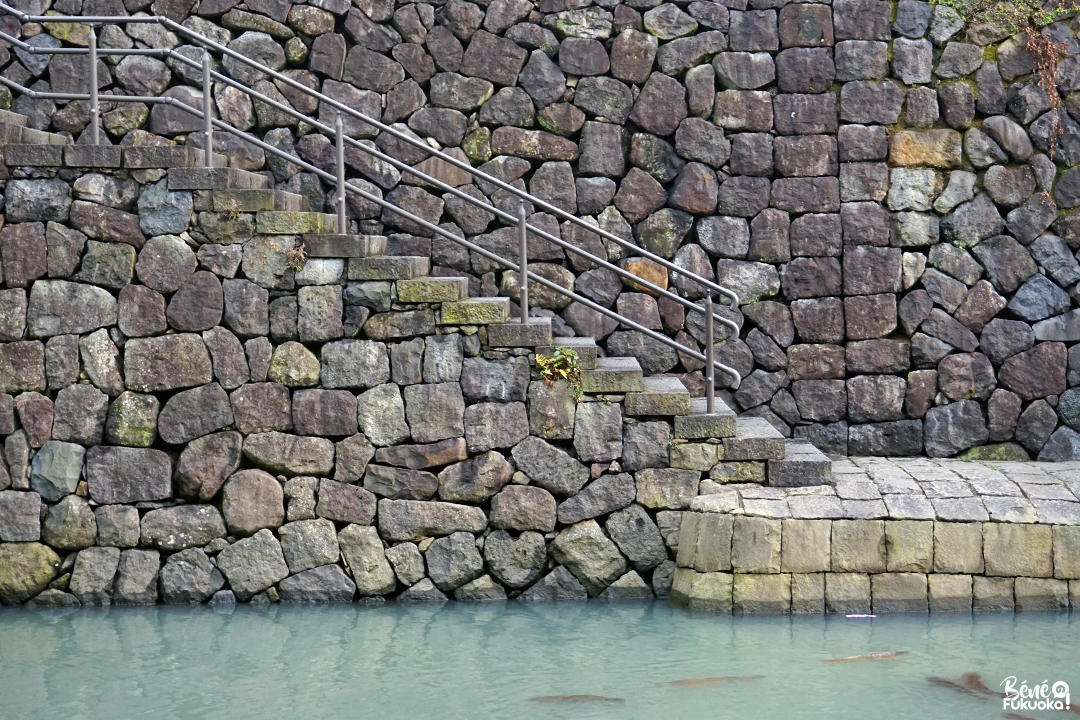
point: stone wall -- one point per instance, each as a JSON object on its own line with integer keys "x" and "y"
{"x": 873, "y": 179}
{"x": 904, "y": 537}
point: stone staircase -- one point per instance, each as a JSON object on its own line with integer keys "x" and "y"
{"x": 231, "y": 190}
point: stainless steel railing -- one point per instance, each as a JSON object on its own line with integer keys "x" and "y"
{"x": 209, "y": 75}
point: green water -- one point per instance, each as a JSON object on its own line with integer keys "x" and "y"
{"x": 475, "y": 663}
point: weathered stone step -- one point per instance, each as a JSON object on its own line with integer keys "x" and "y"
{"x": 755, "y": 439}
{"x": 278, "y": 222}
{"x": 803, "y": 465}
{"x": 661, "y": 396}
{"x": 535, "y": 333}
{"x": 216, "y": 179}
{"x": 699, "y": 424}
{"x": 448, "y": 290}
{"x": 11, "y": 118}
{"x": 477, "y": 311}
{"x": 389, "y": 267}
{"x": 325, "y": 245}
{"x": 613, "y": 375}
{"x": 164, "y": 157}
{"x": 585, "y": 347}
{"x": 55, "y": 153}
{"x": 11, "y": 134}
{"x": 253, "y": 201}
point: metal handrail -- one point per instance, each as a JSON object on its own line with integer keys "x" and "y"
{"x": 340, "y": 182}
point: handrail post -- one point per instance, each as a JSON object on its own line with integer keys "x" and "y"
{"x": 523, "y": 263}
{"x": 710, "y": 365}
{"x": 339, "y": 132}
{"x": 208, "y": 115}
{"x": 94, "y": 109}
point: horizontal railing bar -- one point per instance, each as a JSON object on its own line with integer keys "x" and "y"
{"x": 559, "y": 212}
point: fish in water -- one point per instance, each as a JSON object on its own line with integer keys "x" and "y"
{"x": 870, "y": 656}
{"x": 705, "y": 681}
{"x": 952, "y": 685}
{"x": 974, "y": 682}
{"x": 576, "y": 699}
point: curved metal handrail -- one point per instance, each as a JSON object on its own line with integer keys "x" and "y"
{"x": 209, "y": 123}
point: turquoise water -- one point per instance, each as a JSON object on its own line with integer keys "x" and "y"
{"x": 480, "y": 662}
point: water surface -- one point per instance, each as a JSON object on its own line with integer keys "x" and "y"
{"x": 488, "y": 662}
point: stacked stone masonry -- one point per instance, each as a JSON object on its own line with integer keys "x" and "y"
{"x": 903, "y": 536}
{"x": 185, "y": 409}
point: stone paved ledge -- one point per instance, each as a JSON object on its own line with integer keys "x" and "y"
{"x": 915, "y": 489}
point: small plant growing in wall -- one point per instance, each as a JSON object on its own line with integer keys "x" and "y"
{"x": 563, "y": 364}
{"x": 296, "y": 258}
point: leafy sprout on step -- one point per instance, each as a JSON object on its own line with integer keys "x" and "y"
{"x": 563, "y": 364}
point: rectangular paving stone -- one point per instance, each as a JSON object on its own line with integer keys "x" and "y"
{"x": 660, "y": 396}
{"x": 958, "y": 548}
{"x": 745, "y": 471}
{"x": 1067, "y": 552}
{"x": 755, "y": 545}
{"x": 345, "y": 246}
{"x": 694, "y": 456}
{"x": 899, "y": 592}
{"x": 865, "y": 509}
{"x": 755, "y": 439}
{"x": 949, "y": 593}
{"x": 995, "y": 486}
{"x": 934, "y": 489}
{"x": 1014, "y": 550}
{"x": 761, "y": 594}
{"x": 1013, "y": 509}
{"x": 1057, "y": 512}
{"x": 1043, "y": 491}
{"x": 849, "y": 490}
{"x": 847, "y": 593}
{"x": 477, "y": 311}
{"x": 967, "y": 509}
{"x": 992, "y": 594}
{"x": 766, "y": 508}
{"x": 534, "y": 333}
{"x": 705, "y": 542}
{"x": 389, "y": 267}
{"x": 716, "y": 502}
{"x": 909, "y": 546}
{"x": 909, "y": 507}
{"x": 814, "y": 507}
{"x": 858, "y": 546}
{"x": 897, "y": 485}
{"x": 805, "y": 546}
{"x": 808, "y": 593}
{"x": 1035, "y": 594}
{"x": 613, "y": 375}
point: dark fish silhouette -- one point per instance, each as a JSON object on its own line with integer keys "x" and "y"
{"x": 705, "y": 681}
{"x": 576, "y": 699}
{"x": 974, "y": 682}
{"x": 870, "y": 656}
{"x": 953, "y": 685}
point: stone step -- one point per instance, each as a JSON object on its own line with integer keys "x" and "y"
{"x": 535, "y": 333}
{"x": 11, "y": 118}
{"x": 700, "y": 425}
{"x": 279, "y": 222}
{"x": 755, "y": 439}
{"x": 164, "y": 157}
{"x": 216, "y": 179}
{"x": 324, "y": 245}
{"x": 803, "y": 465}
{"x": 12, "y": 134}
{"x": 389, "y": 267}
{"x": 476, "y": 311}
{"x": 661, "y": 396}
{"x": 253, "y": 201}
{"x": 447, "y": 290}
{"x": 613, "y": 375}
{"x": 585, "y": 347}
